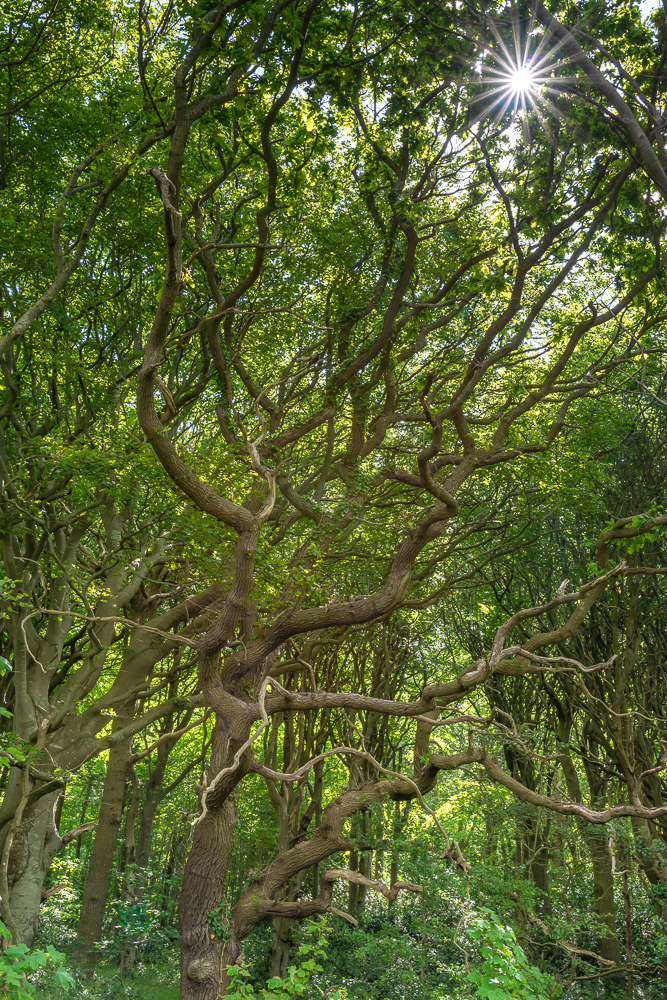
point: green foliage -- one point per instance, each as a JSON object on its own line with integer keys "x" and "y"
{"x": 295, "y": 983}
{"x": 505, "y": 973}
{"x": 376, "y": 139}
{"x": 18, "y": 964}
{"x": 650, "y": 532}
{"x": 218, "y": 921}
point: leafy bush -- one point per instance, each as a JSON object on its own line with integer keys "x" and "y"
{"x": 505, "y": 972}
{"x": 18, "y": 962}
{"x": 294, "y": 984}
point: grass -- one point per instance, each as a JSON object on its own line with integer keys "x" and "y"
{"x": 148, "y": 983}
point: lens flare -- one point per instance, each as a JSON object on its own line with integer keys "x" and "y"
{"x": 517, "y": 84}
{"x": 520, "y": 74}
{"x": 522, "y": 81}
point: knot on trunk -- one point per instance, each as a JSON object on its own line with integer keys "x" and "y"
{"x": 203, "y": 970}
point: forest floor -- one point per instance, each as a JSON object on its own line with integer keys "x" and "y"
{"x": 150, "y": 982}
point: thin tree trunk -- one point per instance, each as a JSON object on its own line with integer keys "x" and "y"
{"x": 538, "y": 851}
{"x": 353, "y": 890}
{"x": 652, "y": 859}
{"x": 169, "y": 897}
{"x": 628, "y": 928}
{"x": 84, "y": 809}
{"x": 539, "y": 870}
{"x": 603, "y": 891}
{"x": 283, "y": 934}
{"x": 91, "y": 919}
{"x": 603, "y": 880}
{"x": 148, "y": 813}
{"x": 365, "y": 864}
{"x": 132, "y": 888}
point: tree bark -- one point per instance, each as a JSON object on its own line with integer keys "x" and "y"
{"x": 34, "y": 847}
{"x": 169, "y": 895}
{"x": 204, "y": 958}
{"x": 595, "y": 838}
{"x": 84, "y": 809}
{"x": 365, "y": 866}
{"x": 603, "y": 890}
{"x": 153, "y": 797}
{"x": 353, "y": 888}
{"x": 628, "y": 925}
{"x": 132, "y": 887}
{"x": 283, "y": 933}
{"x": 91, "y": 919}
{"x": 539, "y": 869}
{"x": 207, "y": 948}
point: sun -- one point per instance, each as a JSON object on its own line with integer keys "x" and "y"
{"x": 518, "y": 73}
{"x": 522, "y": 81}
{"x": 516, "y": 82}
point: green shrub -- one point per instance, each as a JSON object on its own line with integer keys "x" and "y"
{"x": 505, "y": 972}
{"x": 18, "y": 962}
{"x": 294, "y": 984}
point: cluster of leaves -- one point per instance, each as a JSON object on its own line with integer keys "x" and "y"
{"x": 18, "y": 964}
{"x": 505, "y": 972}
{"x": 294, "y": 984}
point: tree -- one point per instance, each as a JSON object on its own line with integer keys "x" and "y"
{"x": 525, "y": 231}
{"x": 387, "y": 285}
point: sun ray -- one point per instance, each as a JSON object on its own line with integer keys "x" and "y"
{"x": 520, "y": 72}
{"x": 517, "y": 69}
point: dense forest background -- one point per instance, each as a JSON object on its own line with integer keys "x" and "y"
{"x": 333, "y": 507}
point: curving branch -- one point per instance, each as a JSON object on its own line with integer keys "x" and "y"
{"x": 634, "y": 131}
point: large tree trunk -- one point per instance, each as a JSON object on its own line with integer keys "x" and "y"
{"x": 91, "y": 919}
{"x": 34, "y": 847}
{"x": 204, "y": 957}
{"x": 207, "y": 947}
